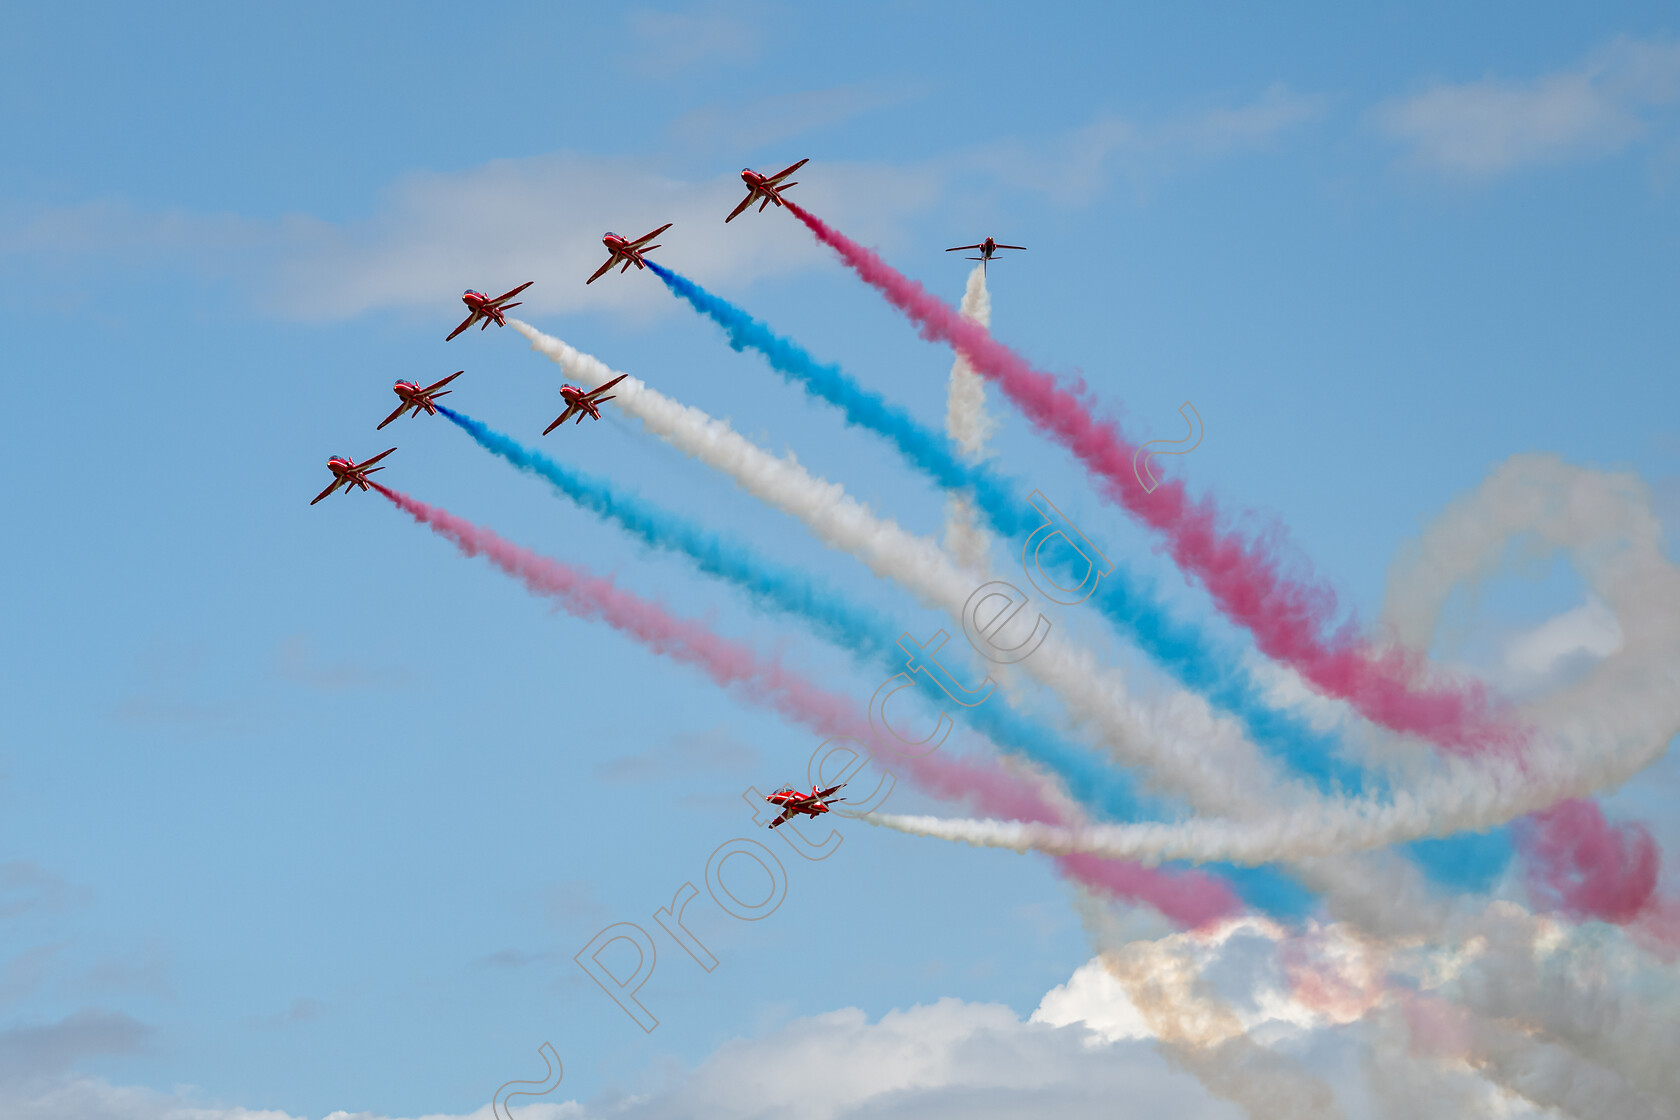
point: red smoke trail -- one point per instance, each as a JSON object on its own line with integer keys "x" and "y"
{"x": 1189, "y": 899}
{"x": 1285, "y": 616}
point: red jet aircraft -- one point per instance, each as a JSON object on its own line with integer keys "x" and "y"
{"x": 793, "y": 802}
{"x": 347, "y": 473}
{"x": 582, "y": 403}
{"x": 483, "y": 307}
{"x": 988, "y": 248}
{"x": 630, "y": 252}
{"x": 412, "y": 396}
{"x": 769, "y": 187}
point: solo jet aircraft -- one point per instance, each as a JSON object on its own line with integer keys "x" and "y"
{"x": 412, "y": 396}
{"x": 483, "y": 307}
{"x": 630, "y": 252}
{"x": 582, "y": 403}
{"x": 793, "y": 802}
{"x": 988, "y": 248}
{"x": 768, "y": 187}
{"x": 348, "y": 473}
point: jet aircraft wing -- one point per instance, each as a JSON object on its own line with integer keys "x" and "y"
{"x": 646, "y": 237}
{"x": 736, "y": 213}
{"x": 498, "y": 301}
{"x": 593, "y": 394}
{"x": 786, "y": 171}
{"x": 561, "y": 419}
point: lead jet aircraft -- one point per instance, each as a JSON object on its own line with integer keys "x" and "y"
{"x": 768, "y": 187}
{"x": 483, "y": 307}
{"x": 412, "y": 396}
{"x": 988, "y": 248}
{"x": 582, "y": 403}
{"x": 630, "y": 252}
{"x": 347, "y": 473}
{"x": 794, "y": 802}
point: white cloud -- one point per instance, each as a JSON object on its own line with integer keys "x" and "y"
{"x": 1481, "y": 129}
{"x": 1093, "y": 998}
{"x": 541, "y": 218}
{"x": 1589, "y": 632}
{"x": 433, "y": 234}
{"x": 1075, "y": 167}
{"x": 951, "y": 1059}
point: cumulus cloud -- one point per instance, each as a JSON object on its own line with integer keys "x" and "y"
{"x": 948, "y": 1060}
{"x": 1594, "y": 108}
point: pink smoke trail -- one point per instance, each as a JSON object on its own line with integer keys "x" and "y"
{"x": 1190, "y": 899}
{"x": 1581, "y": 864}
{"x": 1285, "y": 616}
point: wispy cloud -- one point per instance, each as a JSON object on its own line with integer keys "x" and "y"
{"x": 303, "y": 1010}
{"x": 665, "y": 43}
{"x": 296, "y": 662}
{"x": 48, "y": 1048}
{"x": 159, "y": 711}
{"x": 1074, "y": 168}
{"x": 512, "y": 958}
{"x": 24, "y": 972}
{"x": 1479, "y": 130}
{"x": 431, "y": 235}
{"x": 541, "y": 218}
{"x": 26, "y": 887}
{"x": 769, "y": 119}
{"x": 684, "y": 754}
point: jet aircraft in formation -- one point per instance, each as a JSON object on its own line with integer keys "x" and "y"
{"x": 767, "y": 187}
{"x": 483, "y": 307}
{"x": 412, "y": 396}
{"x": 988, "y": 248}
{"x": 484, "y": 310}
{"x": 348, "y": 473}
{"x": 630, "y": 252}
{"x": 793, "y": 802}
{"x": 582, "y": 403}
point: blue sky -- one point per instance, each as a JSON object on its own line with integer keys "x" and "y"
{"x": 300, "y": 810}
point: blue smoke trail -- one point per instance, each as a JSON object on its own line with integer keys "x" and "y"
{"x": 1121, "y": 596}
{"x": 863, "y": 632}
{"x": 1124, "y": 598}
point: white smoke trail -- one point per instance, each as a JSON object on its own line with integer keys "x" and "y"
{"x": 1139, "y": 735}
{"x": 1591, "y": 736}
{"x": 969, "y": 425}
{"x": 1188, "y": 749}
{"x": 1585, "y": 989}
